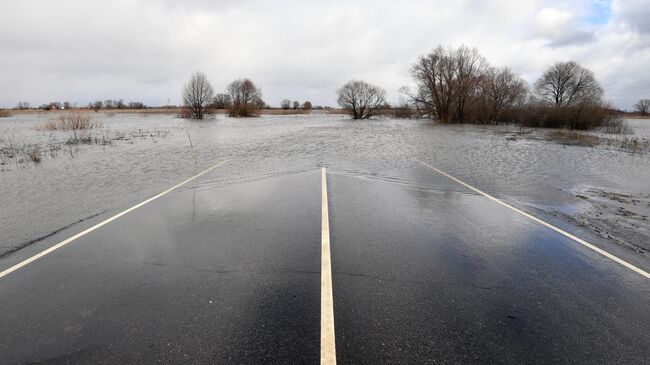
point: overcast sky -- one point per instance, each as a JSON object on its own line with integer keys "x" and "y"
{"x": 144, "y": 50}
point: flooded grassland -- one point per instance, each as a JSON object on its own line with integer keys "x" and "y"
{"x": 52, "y": 179}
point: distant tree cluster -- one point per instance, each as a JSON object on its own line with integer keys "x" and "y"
{"x": 115, "y": 104}
{"x": 241, "y": 99}
{"x": 287, "y": 104}
{"x": 458, "y": 85}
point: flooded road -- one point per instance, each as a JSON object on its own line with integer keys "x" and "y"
{"x": 599, "y": 190}
{"x": 230, "y": 272}
{"x": 226, "y": 267}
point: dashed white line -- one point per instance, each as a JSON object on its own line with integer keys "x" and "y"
{"x": 548, "y": 225}
{"x": 98, "y": 225}
{"x": 327, "y": 341}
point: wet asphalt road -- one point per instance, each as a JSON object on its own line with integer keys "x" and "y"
{"x": 423, "y": 271}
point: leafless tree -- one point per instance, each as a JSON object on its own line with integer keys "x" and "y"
{"x": 444, "y": 81}
{"x": 246, "y": 98}
{"x": 568, "y": 84}
{"x": 285, "y": 104}
{"x": 97, "y": 105}
{"x": 222, "y": 101}
{"x": 501, "y": 89}
{"x": 361, "y": 99}
{"x": 296, "y": 105}
{"x": 23, "y": 105}
{"x": 197, "y": 95}
{"x": 643, "y": 106}
{"x": 306, "y": 105}
{"x": 469, "y": 66}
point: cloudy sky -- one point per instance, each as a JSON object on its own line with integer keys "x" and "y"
{"x": 145, "y": 50}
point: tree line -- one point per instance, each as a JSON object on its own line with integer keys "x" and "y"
{"x": 458, "y": 85}
{"x": 242, "y": 98}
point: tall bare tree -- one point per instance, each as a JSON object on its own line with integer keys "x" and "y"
{"x": 444, "y": 81}
{"x": 501, "y": 89}
{"x": 569, "y": 84}
{"x": 246, "y": 98}
{"x": 361, "y": 99}
{"x": 469, "y": 67}
{"x": 296, "y": 105}
{"x": 285, "y": 104}
{"x": 643, "y": 106}
{"x": 198, "y": 94}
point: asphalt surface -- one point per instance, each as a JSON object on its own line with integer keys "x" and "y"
{"x": 423, "y": 271}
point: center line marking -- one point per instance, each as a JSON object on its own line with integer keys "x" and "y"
{"x": 548, "y": 225}
{"x": 327, "y": 342}
{"x": 98, "y": 225}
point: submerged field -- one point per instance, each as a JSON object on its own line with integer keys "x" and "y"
{"x": 591, "y": 184}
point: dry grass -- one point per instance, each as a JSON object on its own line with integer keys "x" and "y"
{"x": 284, "y": 112}
{"x": 71, "y": 122}
{"x": 5, "y": 113}
{"x": 34, "y": 154}
{"x": 573, "y": 138}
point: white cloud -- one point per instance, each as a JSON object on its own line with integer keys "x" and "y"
{"x": 145, "y": 49}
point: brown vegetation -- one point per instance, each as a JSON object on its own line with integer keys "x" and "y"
{"x": 75, "y": 122}
{"x": 246, "y": 98}
{"x": 4, "y": 113}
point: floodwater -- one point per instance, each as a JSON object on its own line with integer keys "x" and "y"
{"x": 601, "y": 190}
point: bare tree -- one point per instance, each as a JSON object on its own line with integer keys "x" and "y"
{"x": 197, "y": 95}
{"x": 569, "y": 84}
{"x": 23, "y": 105}
{"x": 246, "y": 98}
{"x": 97, "y": 105}
{"x": 306, "y": 105}
{"x": 361, "y": 99}
{"x": 296, "y": 105}
{"x": 285, "y": 104}
{"x": 469, "y": 66}
{"x": 501, "y": 89}
{"x": 222, "y": 101}
{"x": 643, "y": 106}
{"x": 445, "y": 79}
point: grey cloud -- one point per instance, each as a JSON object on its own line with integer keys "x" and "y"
{"x": 145, "y": 49}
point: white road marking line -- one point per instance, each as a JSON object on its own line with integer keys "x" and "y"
{"x": 327, "y": 342}
{"x": 98, "y": 225}
{"x": 556, "y": 229}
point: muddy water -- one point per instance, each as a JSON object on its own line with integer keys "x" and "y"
{"x": 132, "y": 157}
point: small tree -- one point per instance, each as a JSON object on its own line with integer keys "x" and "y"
{"x": 306, "y": 105}
{"x": 361, "y": 99}
{"x": 569, "y": 84}
{"x": 197, "y": 95}
{"x": 296, "y": 105}
{"x": 285, "y": 104}
{"x": 643, "y": 106}
{"x": 246, "y": 98}
{"x": 97, "y": 105}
